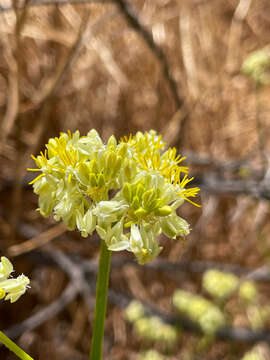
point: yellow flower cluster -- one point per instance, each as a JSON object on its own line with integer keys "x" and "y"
{"x": 198, "y": 309}
{"x": 128, "y": 191}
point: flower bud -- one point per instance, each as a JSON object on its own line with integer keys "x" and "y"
{"x": 163, "y": 211}
{"x": 140, "y": 212}
{"x": 112, "y": 142}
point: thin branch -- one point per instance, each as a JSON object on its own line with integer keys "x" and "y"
{"x": 187, "y": 51}
{"x": 50, "y": 89}
{"x": 213, "y": 184}
{"x": 234, "y": 43}
{"x": 134, "y": 21}
{"x": 56, "y": 2}
{"x": 12, "y": 106}
{"x": 21, "y": 17}
{"x": 36, "y": 241}
{"x": 34, "y": 321}
{"x": 206, "y": 160}
{"x": 77, "y": 285}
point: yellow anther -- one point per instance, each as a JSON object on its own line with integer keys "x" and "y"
{"x": 36, "y": 179}
{"x": 2, "y": 293}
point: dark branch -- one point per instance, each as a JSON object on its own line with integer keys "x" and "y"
{"x": 134, "y": 21}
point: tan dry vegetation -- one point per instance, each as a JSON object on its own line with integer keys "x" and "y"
{"x": 82, "y": 66}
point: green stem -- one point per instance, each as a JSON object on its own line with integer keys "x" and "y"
{"x": 13, "y": 347}
{"x": 101, "y": 301}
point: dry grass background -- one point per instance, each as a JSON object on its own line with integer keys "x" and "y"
{"x": 80, "y": 66}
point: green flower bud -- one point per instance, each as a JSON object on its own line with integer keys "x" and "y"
{"x": 153, "y": 205}
{"x": 122, "y": 150}
{"x": 140, "y": 190}
{"x": 129, "y": 170}
{"x": 163, "y": 211}
{"x": 117, "y": 166}
{"x": 127, "y": 192}
{"x": 112, "y": 142}
{"x": 147, "y": 198}
{"x": 82, "y": 174}
{"x": 110, "y": 163}
{"x": 140, "y": 212}
{"x": 93, "y": 180}
{"x": 135, "y": 203}
{"x": 93, "y": 167}
{"x": 100, "y": 180}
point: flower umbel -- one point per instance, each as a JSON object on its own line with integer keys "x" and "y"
{"x": 129, "y": 191}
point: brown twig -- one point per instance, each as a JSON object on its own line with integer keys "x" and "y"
{"x": 21, "y": 15}
{"x": 134, "y": 21}
{"x": 37, "y": 241}
{"x": 235, "y": 34}
{"x": 187, "y": 51}
{"x": 55, "y": 2}
{"x": 52, "y": 85}
{"x": 12, "y": 98}
{"x": 77, "y": 286}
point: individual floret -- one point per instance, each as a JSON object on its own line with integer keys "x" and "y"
{"x": 11, "y": 289}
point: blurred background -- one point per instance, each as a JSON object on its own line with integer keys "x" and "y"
{"x": 196, "y": 71}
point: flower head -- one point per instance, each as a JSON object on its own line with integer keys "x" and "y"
{"x": 219, "y": 285}
{"x": 129, "y": 191}
{"x": 11, "y": 289}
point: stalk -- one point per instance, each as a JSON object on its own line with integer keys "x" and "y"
{"x": 13, "y": 347}
{"x": 101, "y": 302}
